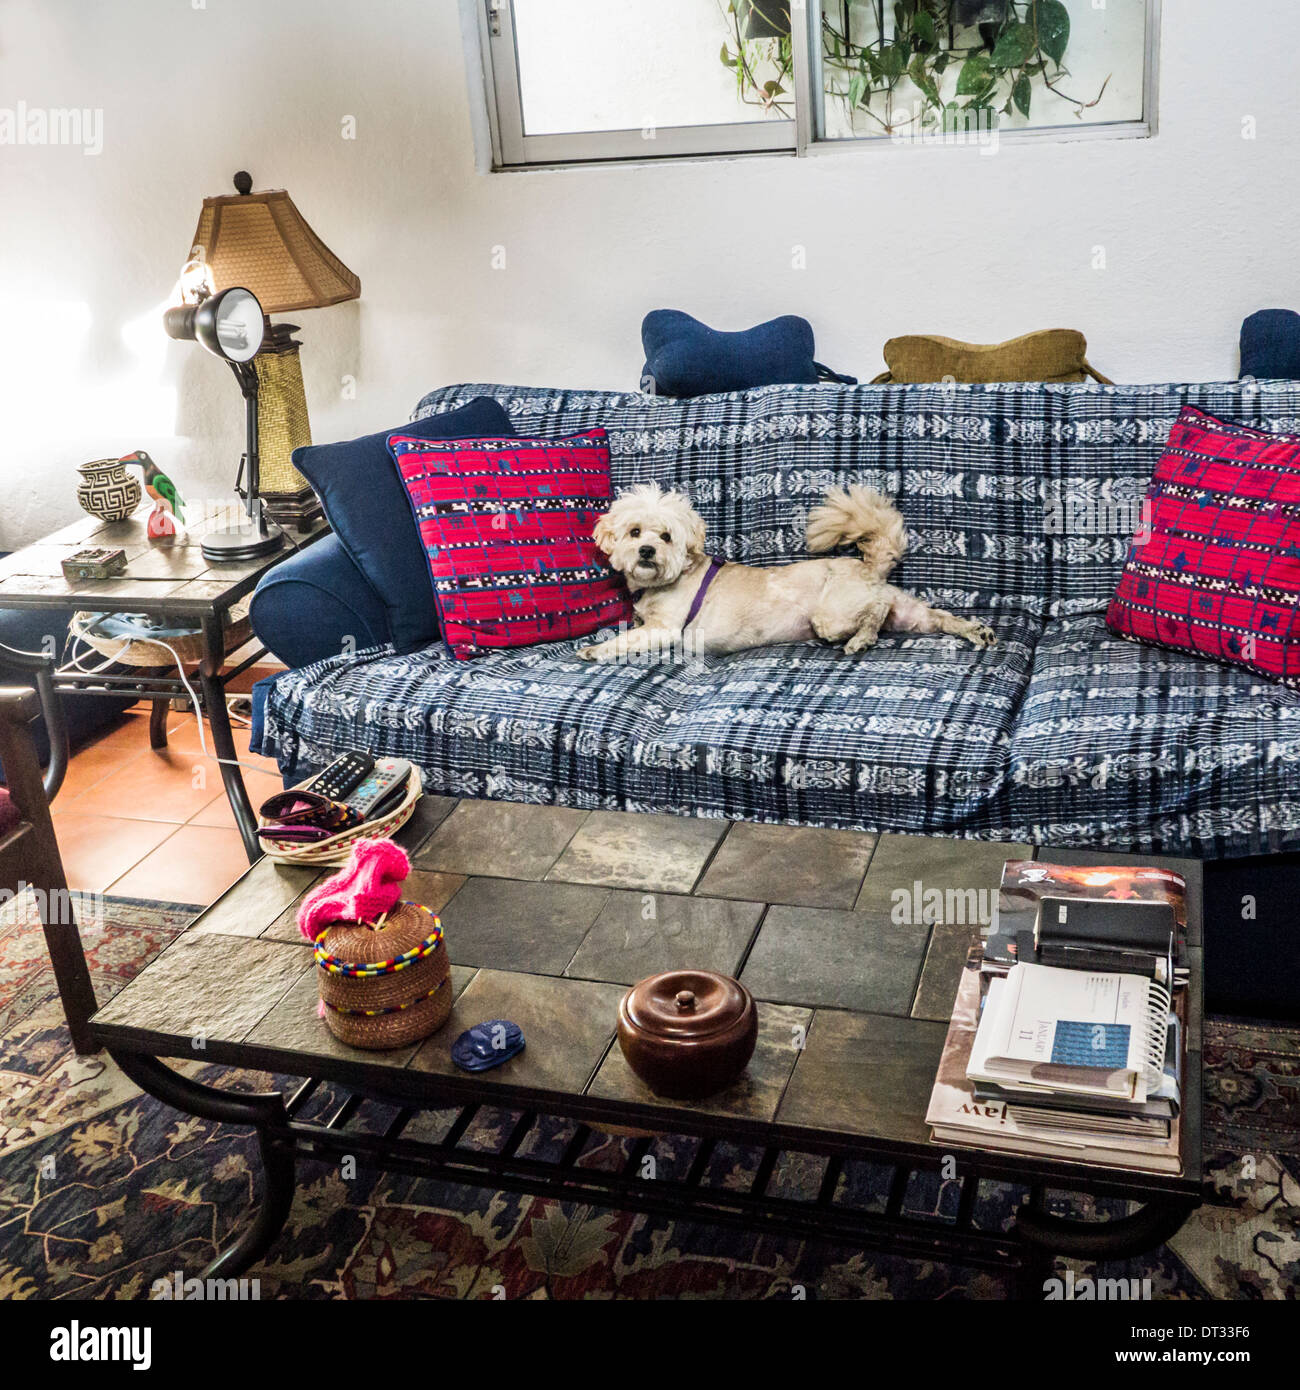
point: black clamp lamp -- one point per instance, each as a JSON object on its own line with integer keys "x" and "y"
{"x": 230, "y": 325}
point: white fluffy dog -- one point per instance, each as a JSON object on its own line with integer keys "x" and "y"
{"x": 655, "y": 539}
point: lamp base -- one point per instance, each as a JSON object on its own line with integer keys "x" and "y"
{"x": 298, "y": 511}
{"x": 241, "y": 544}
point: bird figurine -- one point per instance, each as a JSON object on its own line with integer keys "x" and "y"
{"x": 168, "y": 505}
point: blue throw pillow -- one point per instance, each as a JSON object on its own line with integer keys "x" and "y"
{"x": 1270, "y": 345}
{"x": 366, "y": 504}
{"x": 685, "y": 357}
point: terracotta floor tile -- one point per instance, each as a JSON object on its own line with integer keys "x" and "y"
{"x": 196, "y": 864}
{"x": 97, "y": 850}
{"x": 183, "y": 736}
{"x": 168, "y": 785}
{"x": 260, "y": 785}
{"x": 182, "y": 733}
{"x": 92, "y": 764}
{"x": 112, "y": 750}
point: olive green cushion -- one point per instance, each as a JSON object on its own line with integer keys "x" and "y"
{"x": 1055, "y": 354}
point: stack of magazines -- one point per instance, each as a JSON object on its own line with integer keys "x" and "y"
{"x": 1067, "y": 1037}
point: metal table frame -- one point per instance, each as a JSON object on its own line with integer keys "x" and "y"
{"x": 205, "y": 598}
{"x": 1026, "y": 1251}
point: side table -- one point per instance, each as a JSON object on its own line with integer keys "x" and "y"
{"x": 174, "y": 582}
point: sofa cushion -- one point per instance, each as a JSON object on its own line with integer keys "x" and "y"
{"x": 1053, "y": 354}
{"x": 1270, "y": 345}
{"x": 684, "y": 357}
{"x": 1215, "y": 569}
{"x": 366, "y": 505}
{"x": 317, "y": 603}
{"x": 507, "y": 527}
{"x": 911, "y": 735}
{"x": 1158, "y": 751}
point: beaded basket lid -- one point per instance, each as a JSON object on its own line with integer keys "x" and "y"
{"x": 401, "y": 931}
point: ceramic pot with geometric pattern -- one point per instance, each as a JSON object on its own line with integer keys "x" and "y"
{"x": 107, "y": 490}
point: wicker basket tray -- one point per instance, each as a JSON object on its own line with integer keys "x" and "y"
{"x": 338, "y": 848}
{"x": 144, "y": 653}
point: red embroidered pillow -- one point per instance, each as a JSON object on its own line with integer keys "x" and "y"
{"x": 1215, "y": 568}
{"x": 506, "y": 525}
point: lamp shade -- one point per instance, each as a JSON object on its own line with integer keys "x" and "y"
{"x": 262, "y": 242}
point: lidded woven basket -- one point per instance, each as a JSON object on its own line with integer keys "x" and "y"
{"x": 382, "y": 966}
{"x": 385, "y": 985}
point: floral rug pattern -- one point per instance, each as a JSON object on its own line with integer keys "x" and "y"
{"x": 104, "y": 1191}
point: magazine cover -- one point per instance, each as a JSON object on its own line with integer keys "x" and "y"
{"x": 1026, "y": 881}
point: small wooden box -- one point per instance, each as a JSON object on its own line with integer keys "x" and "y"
{"x": 94, "y": 564}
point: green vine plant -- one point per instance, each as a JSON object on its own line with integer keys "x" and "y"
{"x": 762, "y": 65}
{"x": 1001, "y": 52}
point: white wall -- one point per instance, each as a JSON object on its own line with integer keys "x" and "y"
{"x": 1199, "y": 228}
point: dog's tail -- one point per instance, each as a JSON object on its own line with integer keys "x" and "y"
{"x": 859, "y": 516}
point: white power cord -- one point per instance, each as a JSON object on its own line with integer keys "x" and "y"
{"x": 75, "y": 660}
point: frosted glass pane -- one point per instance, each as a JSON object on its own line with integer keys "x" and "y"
{"x": 591, "y": 65}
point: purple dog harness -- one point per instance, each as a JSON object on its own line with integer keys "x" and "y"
{"x": 698, "y": 601}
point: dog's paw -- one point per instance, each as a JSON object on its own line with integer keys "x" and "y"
{"x": 981, "y": 635}
{"x": 859, "y": 642}
{"x": 601, "y": 653}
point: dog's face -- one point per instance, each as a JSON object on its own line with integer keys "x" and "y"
{"x": 651, "y": 536}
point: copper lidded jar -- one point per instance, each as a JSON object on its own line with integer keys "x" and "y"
{"x": 688, "y": 1033}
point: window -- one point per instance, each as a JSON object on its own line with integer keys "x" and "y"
{"x": 623, "y": 79}
{"x": 579, "y": 80}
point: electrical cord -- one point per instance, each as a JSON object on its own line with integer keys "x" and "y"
{"x": 74, "y": 658}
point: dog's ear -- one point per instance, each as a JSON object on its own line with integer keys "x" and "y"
{"x": 690, "y": 522}
{"x": 696, "y": 536}
{"x": 605, "y": 534}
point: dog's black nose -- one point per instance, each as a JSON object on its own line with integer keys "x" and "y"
{"x": 647, "y": 552}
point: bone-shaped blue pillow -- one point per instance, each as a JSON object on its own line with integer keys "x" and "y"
{"x": 685, "y": 357}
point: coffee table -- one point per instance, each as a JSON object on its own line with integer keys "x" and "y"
{"x": 549, "y": 914}
{"x": 174, "y": 582}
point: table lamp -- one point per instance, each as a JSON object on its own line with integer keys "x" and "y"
{"x": 261, "y": 243}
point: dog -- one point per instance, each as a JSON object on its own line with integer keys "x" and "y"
{"x": 656, "y": 541}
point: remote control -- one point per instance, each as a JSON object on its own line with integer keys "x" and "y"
{"x": 343, "y": 775}
{"x": 389, "y": 802}
{"x": 387, "y": 774}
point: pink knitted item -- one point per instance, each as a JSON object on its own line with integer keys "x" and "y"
{"x": 370, "y": 886}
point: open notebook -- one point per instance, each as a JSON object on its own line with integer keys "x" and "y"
{"x": 1073, "y": 1031}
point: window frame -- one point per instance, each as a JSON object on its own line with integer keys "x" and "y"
{"x": 804, "y": 135}
{"x": 512, "y": 148}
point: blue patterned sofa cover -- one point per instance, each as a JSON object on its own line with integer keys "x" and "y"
{"x": 1020, "y": 501}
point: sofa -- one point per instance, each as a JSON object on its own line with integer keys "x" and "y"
{"x": 1020, "y": 501}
